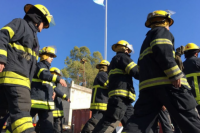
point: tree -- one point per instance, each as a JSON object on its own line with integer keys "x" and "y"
{"x": 74, "y": 66}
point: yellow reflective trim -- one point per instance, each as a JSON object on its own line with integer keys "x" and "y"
{"x": 7, "y": 131}
{"x": 117, "y": 71}
{"x": 159, "y": 81}
{"x": 20, "y": 124}
{"x": 98, "y": 86}
{"x": 42, "y": 81}
{"x": 23, "y": 127}
{"x": 9, "y": 77}
{"x": 10, "y": 31}
{"x": 172, "y": 71}
{"x": 54, "y": 87}
{"x": 98, "y": 106}
{"x": 54, "y": 78}
{"x": 3, "y": 52}
{"x": 64, "y": 96}
{"x": 145, "y": 52}
{"x": 173, "y": 53}
{"x": 160, "y": 41}
{"x": 94, "y": 96}
{"x": 122, "y": 93}
{"x": 129, "y": 67}
{"x": 42, "y": 69}
{"x": 106, "y": 83}
{"x": 42, "y": 104}
{"x": 196, "y": 85}
{"x": 58, "y": 113}
{"x": 24, "y": 49}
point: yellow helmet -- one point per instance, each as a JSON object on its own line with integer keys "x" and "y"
{"x": 48, "y": 50}
{"x": 158, "y": 14}
{"x": 44, "y": 11}
{"x": 122, "y": 43}
{"x": 56, "y": 70}
{"x": 191, "y": 46}
{"x": 104, "y": 63}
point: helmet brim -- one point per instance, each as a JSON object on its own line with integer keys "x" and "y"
{"x": 27, "y": 7}
{"x": 148, "y": 24}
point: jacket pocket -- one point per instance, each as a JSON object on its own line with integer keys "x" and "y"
{"x": 183, "y": 100}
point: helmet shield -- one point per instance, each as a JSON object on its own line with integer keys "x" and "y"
{"x": 130, "y": 47}
{"x": 52, "y": 22}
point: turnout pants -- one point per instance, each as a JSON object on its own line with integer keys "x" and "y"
{"x": 19, "y": 106}
{"x": 165, "y": 121}
{"x": 179, "y": 102}
{"x": 45, "y": 120}
{"x": 116, "y": 109}
{"x": 57, "y": 124}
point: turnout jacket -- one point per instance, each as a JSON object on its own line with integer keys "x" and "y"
{"x": 157, "y": 66}
{"x": 192, "y": 72}
{"x": 121, "y": 70}
{"x": 99, "y": 97}
{"x": 58, "y": 112}
{"x": 42, "y": 87}
{"x": 19, "y": 50}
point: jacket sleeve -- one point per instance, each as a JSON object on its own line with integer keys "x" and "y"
{"x": 13, "y": 29}
{"x": 130, "y": 67}
{"x": 45, "y": 74}
{"x": 59, "y": 93}
{"x": 103, "y": 79}
{"x": 162, "y": 47}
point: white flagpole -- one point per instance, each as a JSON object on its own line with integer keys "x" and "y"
{"x": 105, "y": 47}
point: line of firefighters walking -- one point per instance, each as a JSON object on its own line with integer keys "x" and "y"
{"x": 167, "y": 86}
{"x": 28, "y": 86}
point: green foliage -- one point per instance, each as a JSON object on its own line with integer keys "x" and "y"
{"x": 75, "y": 68}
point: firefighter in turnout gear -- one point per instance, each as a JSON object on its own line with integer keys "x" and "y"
{"x": 192, "y": 70}
{"x": 58, "y": 113}
{"x": 121, "y": 92}
{"x": 42, "y": 90}
{"x": 161, "y": 81}
{"x": 99, "y": 97}
{"x": 19, "y": 50}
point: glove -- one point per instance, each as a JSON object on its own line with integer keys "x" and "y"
{"x": 179, "y": 52}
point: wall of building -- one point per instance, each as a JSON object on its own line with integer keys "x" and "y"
{"x": 80, "y": 99}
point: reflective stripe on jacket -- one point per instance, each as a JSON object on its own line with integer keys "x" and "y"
{"x": 121, "y": 70}
{"x": 19, "y": 50}
{"x": 99, "y": 97}
{"x": 156, "y": 61}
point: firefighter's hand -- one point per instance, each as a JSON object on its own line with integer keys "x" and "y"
{"x": 2, "y": 66}
{"x": 68, "y": 100}
{"x": 163, "y": 108}
{"x": 54, "y": 95}
{"x": 63, "y": 83}
{"x": 177, "y": 83}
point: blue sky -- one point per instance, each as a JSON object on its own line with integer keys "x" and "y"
{"x": 81, "y": 23}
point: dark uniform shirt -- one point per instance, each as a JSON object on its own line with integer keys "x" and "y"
{"x": 42, "y": 87}
{"x": 99, "y": 98}
{"x": 121, "y": 70}
{"x": 19, "y": 49}
{"x": 192, "y": 72}
{"x": 157, "y": 65}
{"x": 58, "y": 112}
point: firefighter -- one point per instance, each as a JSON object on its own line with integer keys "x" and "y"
{"x": 121, "y": 92}
{"x": 192, "y": 70}
{"x": 58, "y": 113}
{"x": 42, "y": 90}
{"x": 161, "y": 81}
{"x": 99, "y": 97}
{"x": 18, "y": 57}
